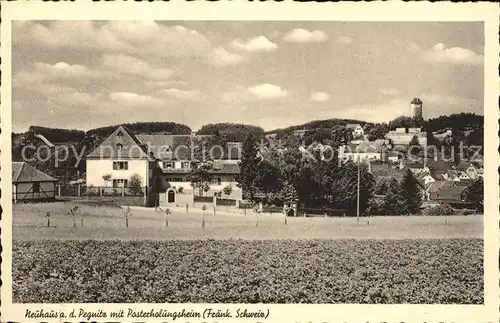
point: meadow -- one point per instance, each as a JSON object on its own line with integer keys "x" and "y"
{"x": 235, "y": 258}
{"x": 108, "y": 223}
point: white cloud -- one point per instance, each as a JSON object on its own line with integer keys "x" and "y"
{"x": 256, "y": 44}
{"x": 221, "y": 57}
{"x": 134, "y": 37}
{"x": 181, "y": 94}
{"x": 320, "y": 97}
{"x": 344, "y": 40}
{"x": 43, "y": 72}
{"x": 133, "y": 66}
{"x": 389, "y": 91}
{"x": 254, "y": 93}
{"x": 305, "y": 36}
{"x": 454, "y": 55}
{"x": 129, "y": 98}
{"x": 267, "y": 91}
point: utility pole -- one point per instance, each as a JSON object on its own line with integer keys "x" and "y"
{"x": 357, "y": 204}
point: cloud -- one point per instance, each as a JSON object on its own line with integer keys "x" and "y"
{"x": 389, "y": 91}
{"x": 143, "y": 38}
{"x": 344, "y": 40}
{"x": 454, "y": 55}
{"x": 129, "y": 98}
{"x": 267, "y": 91}
{"x": 181, "y": 94}
{"x": 221, "y": 57}
{"x": 133, "y": 66}
{"x": 320, "y": 97}
{"x": 43, "y": 72}
{"x": 256, "y": 44}
{"x": 305, "y": 36}
{"x": 254, "y": 93}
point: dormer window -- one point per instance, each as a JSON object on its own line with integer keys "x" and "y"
{"x": 119, "y": 147}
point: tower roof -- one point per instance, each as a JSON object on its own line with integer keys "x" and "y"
{"x": 416, "y": 101}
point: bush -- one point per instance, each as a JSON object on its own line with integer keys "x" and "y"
{"x": 442, "y": 209}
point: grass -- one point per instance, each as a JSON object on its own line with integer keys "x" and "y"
{"x": 107, "y": 222}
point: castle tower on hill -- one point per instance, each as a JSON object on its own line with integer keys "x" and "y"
{"x": 416, "y": 108}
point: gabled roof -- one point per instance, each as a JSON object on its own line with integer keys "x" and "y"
{"x": 45, "y": 140}
{"x": 131, "y": 147}
{"x": 450, "y": 193}
{"x": 352, "y": 125}
{"x": 22, "y": 172}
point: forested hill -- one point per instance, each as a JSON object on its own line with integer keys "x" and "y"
{"x": 458, "y": 122}
{"x": 232, "y": 131}
{"x": 145, "y": 127}
{"x": 56, "y": 135}
{"x": 318, "y": 124}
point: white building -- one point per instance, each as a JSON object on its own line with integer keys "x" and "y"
{"x": 162, "y": 162}
{"x": 403, "y": 136}
{"x": 356, "y": 128}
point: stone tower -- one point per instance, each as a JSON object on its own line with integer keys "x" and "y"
{"x": 416, "y": 108}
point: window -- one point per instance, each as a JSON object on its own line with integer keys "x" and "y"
{"x": 185, "y": 165}
{"x": 36, "y": 187}
{"x": 167, "y": 164}
{"x": 119, "y": 134}
{"x": 120, "y": 183}
{"x": 219, "y": 181}
{"x": 120, "y": 165}
{"x": 119, "y": 147}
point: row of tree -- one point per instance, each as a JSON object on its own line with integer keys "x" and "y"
{"x": 323, "y": 183}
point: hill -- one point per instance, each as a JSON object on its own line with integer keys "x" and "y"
{"x": 231, "y": 131}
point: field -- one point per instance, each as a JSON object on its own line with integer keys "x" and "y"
{"x": 230, "y": 271}
{"x": 243, "y": 258}
{"x": 100, "y": 222}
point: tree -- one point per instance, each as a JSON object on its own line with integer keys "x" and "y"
{"x": 414, "y": 146}
{"x": 106, "y": 178}
{"x": 135, "y": 184}
{"x": 247, "y": 177}
{"x": 199, "y": 176}
{"x": 268, "y": 177}
{"x": 475, "y": 194}
{"x": 392, "y": 203}
{"x": 410, "y": 195}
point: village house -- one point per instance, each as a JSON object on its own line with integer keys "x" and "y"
{"x": 162, "y": 162}
{"x": 474, "y": 170}
{"x": 364, "y": 151}
{"x": 356, "y": 128}
{"x": 402, "y": 137}
{"x": 31, "y": 185}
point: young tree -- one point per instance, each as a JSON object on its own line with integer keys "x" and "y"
{"x": 227, "y": 190}
{"x": 410, "y": 195}
{"x": 106, "y": 178}
{"x": 134, "y": 184}
{"x": 247, "y": 177}
{"x": 475, "y": 194}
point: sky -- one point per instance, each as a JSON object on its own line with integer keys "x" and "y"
{"x": 86, "y": 74}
